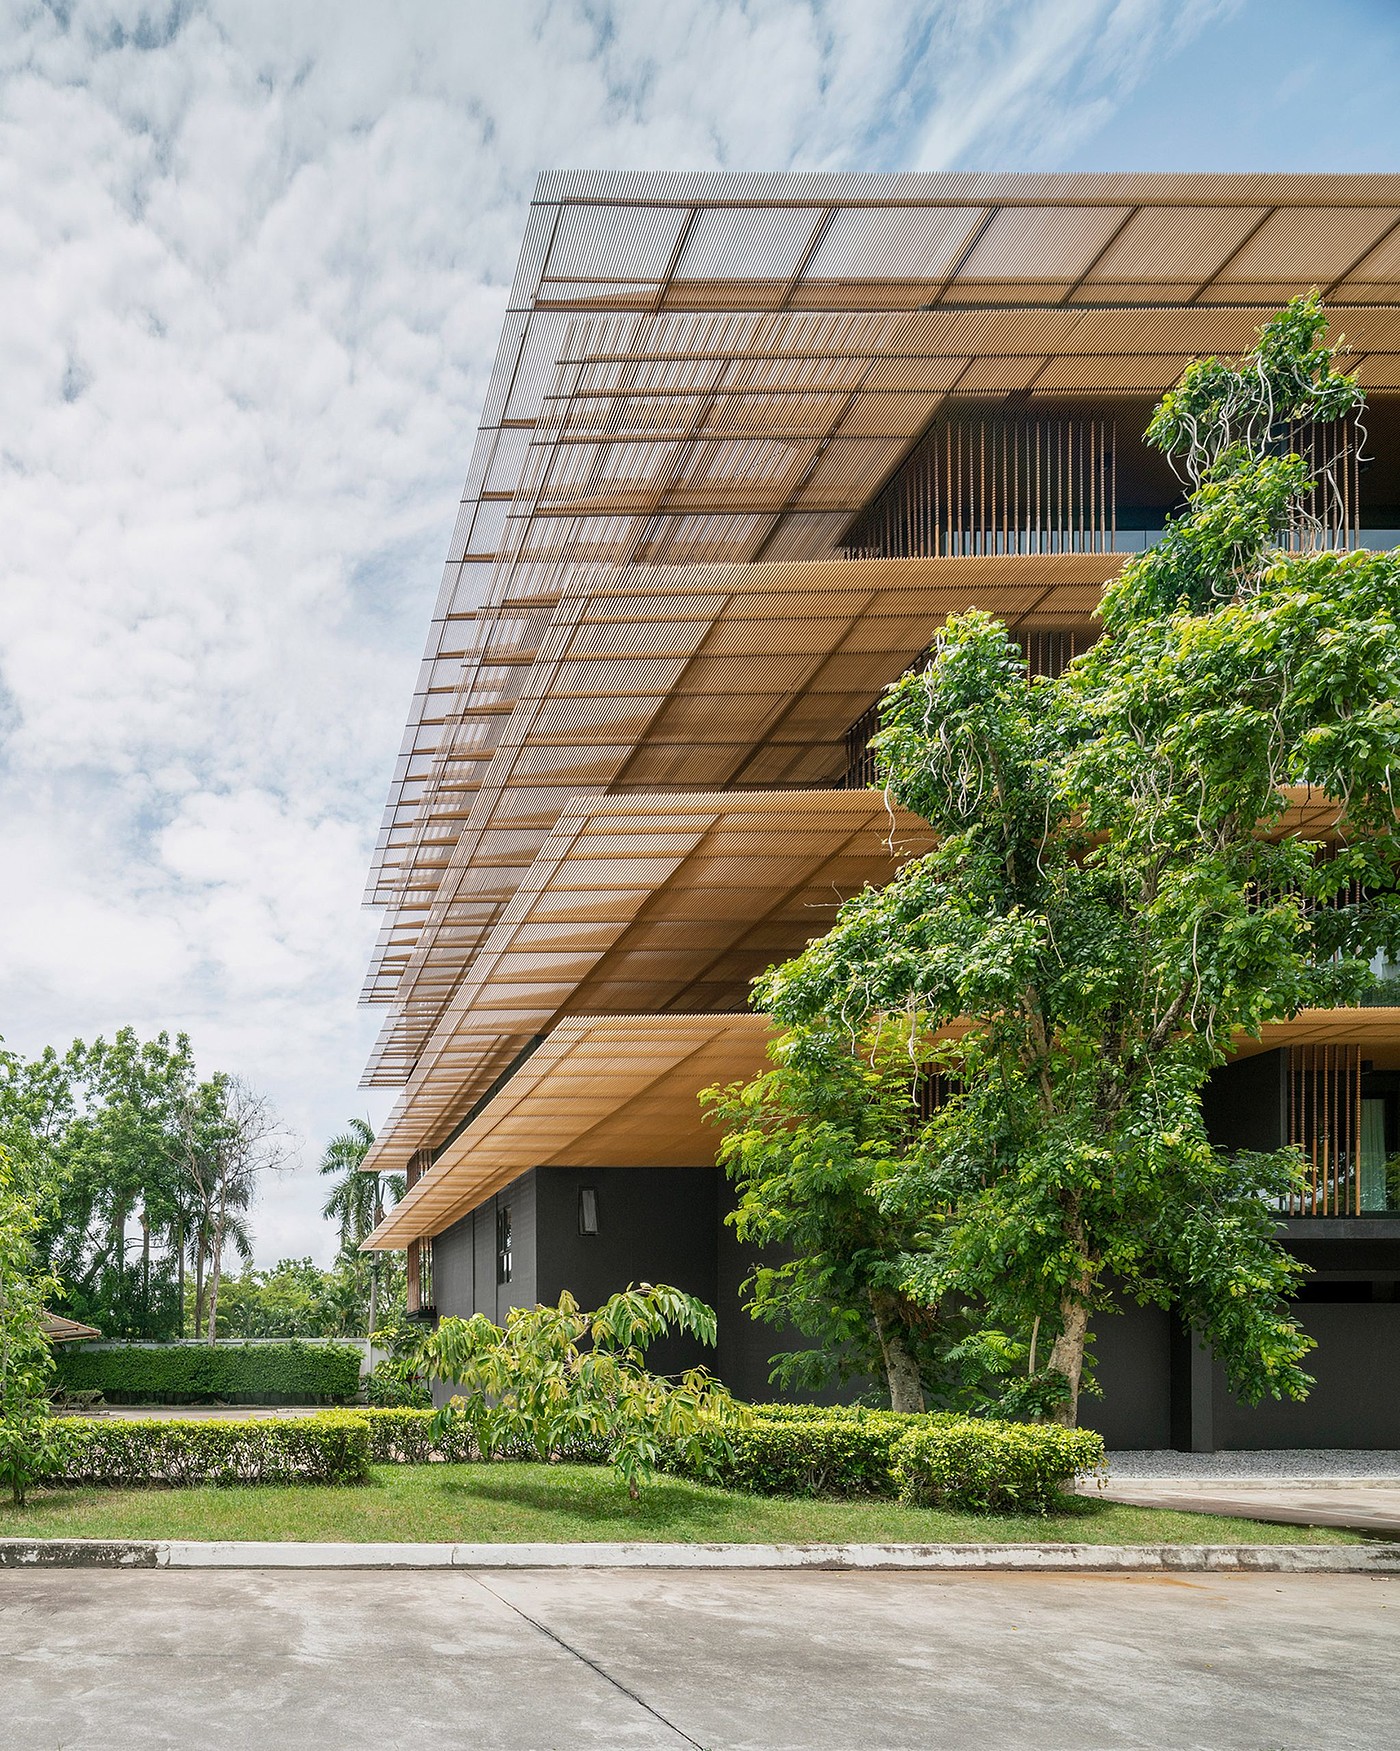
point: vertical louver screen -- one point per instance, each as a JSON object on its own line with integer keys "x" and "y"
{"x": 1324, "y": 1121}
{"x": 995, "y": 485}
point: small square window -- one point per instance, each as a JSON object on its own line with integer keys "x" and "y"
{"x": 587, "y": 1210}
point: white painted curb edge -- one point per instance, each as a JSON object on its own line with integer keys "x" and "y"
{"x": 1274, "y": 1559}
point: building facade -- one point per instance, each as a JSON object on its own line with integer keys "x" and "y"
{"x": 748, "y": 443}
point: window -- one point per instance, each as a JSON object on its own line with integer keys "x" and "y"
{"x": 587, "y": 1210}
{"x": 504, "y": 1258}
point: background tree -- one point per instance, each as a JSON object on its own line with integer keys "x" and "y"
{"x": 234, "y": 1139}
{"x": 356, "y": 1201}
{"x": 298, "y": 1299}
{"x": 1114, "y": 894}
{"x": 104, "y": 1119}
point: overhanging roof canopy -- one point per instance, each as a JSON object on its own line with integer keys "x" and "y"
{"x": 653, "y": 676}
{"x": 602, "y": 1091}
{"x": 646, "y": 905}
{"x": 721, "y": 370}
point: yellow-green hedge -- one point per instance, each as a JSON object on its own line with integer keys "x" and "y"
{"x": 969, "y": 1463}
{"x": 331, "y": 1447}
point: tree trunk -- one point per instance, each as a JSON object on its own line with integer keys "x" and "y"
{"x": 199, "y": 1254}
{"x": 216, "y": 1262}
{"x": 180, "y": 1272}
{"x": 1067, "y": 1357}
{"x": 901, "y": 1370}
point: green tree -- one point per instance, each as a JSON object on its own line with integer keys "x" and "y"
{"x": 1115, "y": 894}
{"x": 31, "y": 1444}
{"x": 103, "y": 1119}
{"x": 555, "y": 1380}
{"x": 356, "y": 1200}
{"x": 811, "y": 1146}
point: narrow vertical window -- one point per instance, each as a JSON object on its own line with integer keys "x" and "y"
{"x": 504, "y": 1259}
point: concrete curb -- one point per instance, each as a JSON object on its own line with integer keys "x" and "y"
{"x": 1268, "y": 1559}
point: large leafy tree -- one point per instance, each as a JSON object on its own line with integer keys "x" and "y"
{"x": 811, "y": 1146}
{"x": 151, "y": 1170}
{"x": 1115, "y": 894}
{"x": 103, "y": 1120}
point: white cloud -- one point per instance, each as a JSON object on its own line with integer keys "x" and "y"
{"x": 253, "y": 258}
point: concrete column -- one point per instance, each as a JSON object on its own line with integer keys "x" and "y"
{"x": 1192, "y": 1393}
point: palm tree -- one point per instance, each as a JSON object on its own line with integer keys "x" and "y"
{"x": 356, "y": 1201}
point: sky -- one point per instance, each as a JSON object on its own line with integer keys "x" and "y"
{"x": 253, "y": 259}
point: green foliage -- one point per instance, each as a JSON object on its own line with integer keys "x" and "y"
{"x": 1114, "y": 897}
{"x": 976, "y": 1464}
{"x": 409, "y": 1435}
{"x": 781, "y": 1450}
{"x": 556, "y": 1379}
{"x": 29, "y": 1439}
{"x": 298, "y": 1299}
{"x": 332, "y": 1447}
{"x": 291, "y": 1373}
{"x": 986, "y": 1467}
{"x": 152, "y": 1172}
{"x": 413, "y": 1436}
{"x": 811, "y": 1147}
{"x": 389, "y": 1388}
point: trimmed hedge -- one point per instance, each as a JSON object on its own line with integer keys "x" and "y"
{"x": 989, "y": 1467}
{"x": 970, "y": 1463}
{"x": 967, "y": 1463}
{"x": 229, "y": 1373}
{"x": 331, "y": 1447}
{"x": 403, "y": 1437}
{"x": 808, "y": 1450}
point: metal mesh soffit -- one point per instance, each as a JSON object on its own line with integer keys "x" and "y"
{"x": 618, "y": 1091}
{"x": 646, "y": 905}
{"x": 720, "y": 370}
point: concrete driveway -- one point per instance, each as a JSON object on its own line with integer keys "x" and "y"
{"x": 100, "y": 1661}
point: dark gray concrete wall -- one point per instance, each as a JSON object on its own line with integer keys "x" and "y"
{"x": 1356, "y": 1401}
{"x": 454, "y": 1268}
{"x": 1133, "y": 1361}
{"x": 655, "y": 1225}
{"x": 1245, "y": 1104}
{"x": 521, "y": 1196}
{"x": 747, "y": 1346}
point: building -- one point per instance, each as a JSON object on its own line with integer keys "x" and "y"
{"x": 749, "y": 440}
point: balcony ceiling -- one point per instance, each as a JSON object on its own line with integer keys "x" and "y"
{"x": 687, "y": 676}
{"x": 619, "y": 1090}
{"x": 647, "y": 905}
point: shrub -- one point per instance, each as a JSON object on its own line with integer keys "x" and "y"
{"x": 390, "y": 1388}
{"x": 981, "y": 1465}
{"x": 941, "y": 1459}
{"x": 290, "y": 1373}
{"x": 559, "y": 1383}
{"x": 332, "y": 1447}
{"x": 421, "y": 1437}
{"x": 805, "y": 1450}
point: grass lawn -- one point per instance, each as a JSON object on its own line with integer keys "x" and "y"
{"x": 522, "y": 1504}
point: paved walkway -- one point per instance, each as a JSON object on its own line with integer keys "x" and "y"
{"x": 757, "y": 1662}
{"x": 1358, "y": 1489}
{"x": 1362, "y": 1507}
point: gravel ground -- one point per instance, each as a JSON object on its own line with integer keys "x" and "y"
{"x": 1294, "y": 1463}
